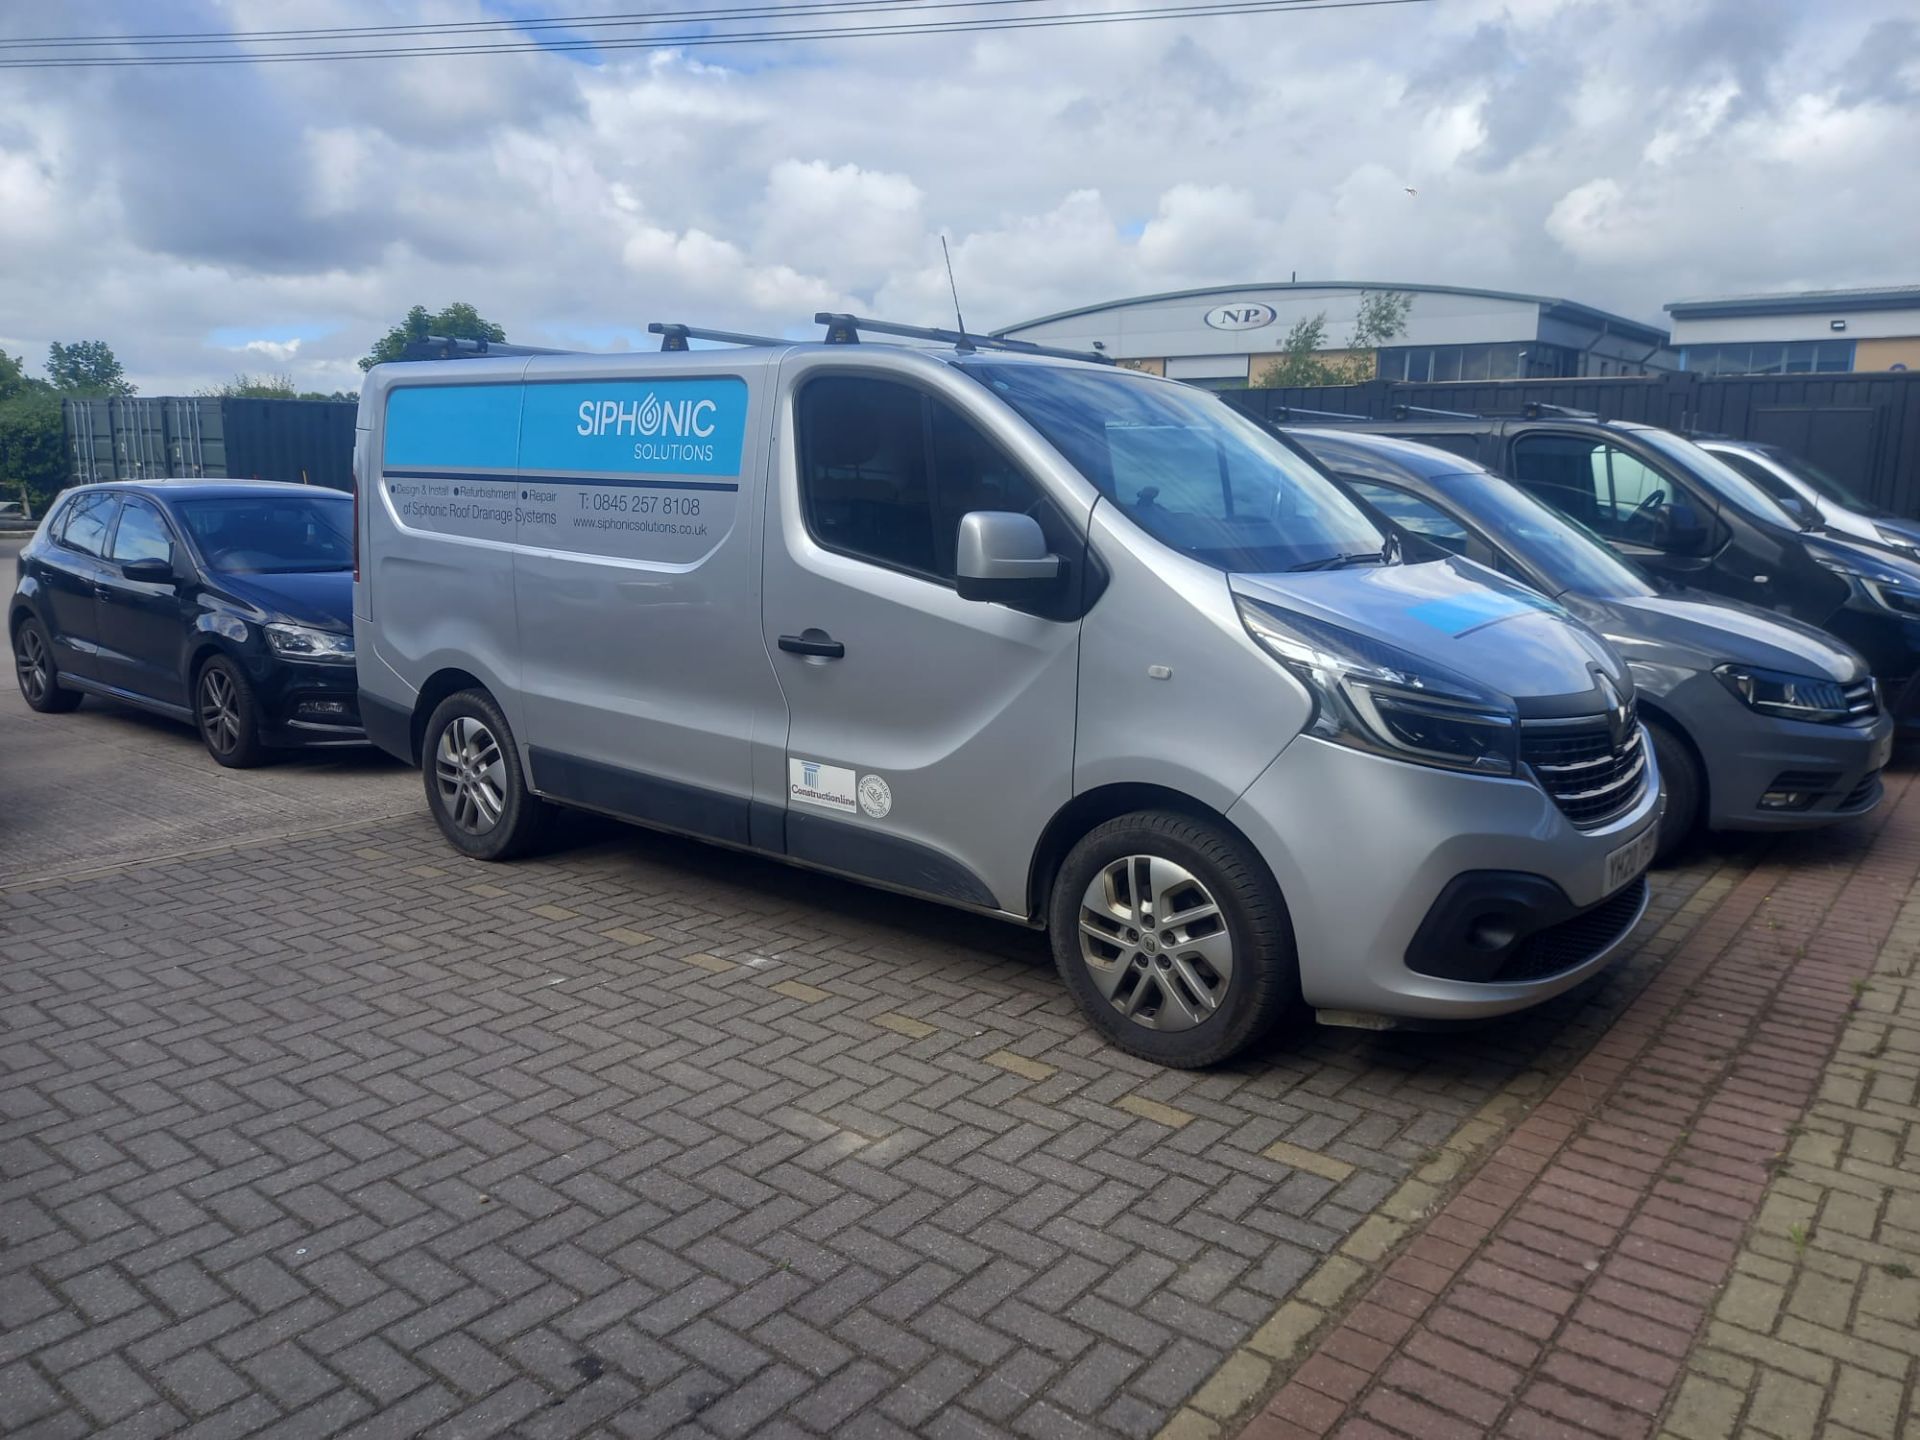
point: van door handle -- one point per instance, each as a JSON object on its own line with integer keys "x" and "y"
{"x": 813, "y": 642}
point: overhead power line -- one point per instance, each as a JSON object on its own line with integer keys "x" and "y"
{"x": 973, "y": 25}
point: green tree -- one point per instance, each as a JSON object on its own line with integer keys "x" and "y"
{"x": 86, "y": 367}
{"x": 254, "y": 387}
{"x": 33, "y": 460}
{"x": 1381, "y": 317}
{"x": 459, "y": 321}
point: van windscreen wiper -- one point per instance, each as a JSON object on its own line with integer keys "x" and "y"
{"x": 1341, "y": 560}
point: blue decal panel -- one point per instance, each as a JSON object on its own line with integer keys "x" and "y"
{"x": 643, "y": 470}
{"x": 635, "y": 427}
{"x": 453, "y": 427}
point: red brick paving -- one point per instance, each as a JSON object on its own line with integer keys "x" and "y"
{"x": 1557, "y": 1293}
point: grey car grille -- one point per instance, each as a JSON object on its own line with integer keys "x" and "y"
{"x": 1591, "y": 777}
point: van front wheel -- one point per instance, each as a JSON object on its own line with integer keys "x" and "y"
{"x": 475, "y": 787}
{"x": 1173, "y": 938}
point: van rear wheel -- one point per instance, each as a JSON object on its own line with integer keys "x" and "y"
{"x": 1173, "y": 938}
{"x": 475, "y": 787}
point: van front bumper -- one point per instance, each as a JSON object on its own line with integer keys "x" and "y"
{"x": 1431, "y": 894}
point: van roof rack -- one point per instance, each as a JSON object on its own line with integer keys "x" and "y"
{"x": 674, "y": 336}
{"x": 1285, "y": 413}
{"x": 447, "y": 347}
{"x": 1403, "y": 412}
{"x": 1535, "y": 409}
{"x": 845, "y": 330}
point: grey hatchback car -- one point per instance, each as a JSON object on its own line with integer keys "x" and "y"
{"x": 1758, "y": 722}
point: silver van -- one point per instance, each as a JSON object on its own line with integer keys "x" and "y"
{"x": 1039, "y": 637}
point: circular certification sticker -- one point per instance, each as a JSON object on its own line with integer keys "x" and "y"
{"x": 875, "y": 796}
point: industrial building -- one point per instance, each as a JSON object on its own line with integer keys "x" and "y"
{"x": 1223, "y": 336}
{"x": 1801, "y": 332}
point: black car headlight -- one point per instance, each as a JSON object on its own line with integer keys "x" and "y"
{"x": 299, "y": 642}
{"x": 1372, "y": 696}
{"x": 1875, "y": 589}
{"x": 1785, "y": 696}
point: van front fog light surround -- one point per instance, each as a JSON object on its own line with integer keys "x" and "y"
{"x": 1789, "y": 697}
{"x": 298, "y": 642}
{"x": 1371, "y": 696}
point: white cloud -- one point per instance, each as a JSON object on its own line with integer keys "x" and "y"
{"x": 1620, "y": 155}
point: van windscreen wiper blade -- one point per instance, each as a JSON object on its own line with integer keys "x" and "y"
{"x": 1341, "y": 560}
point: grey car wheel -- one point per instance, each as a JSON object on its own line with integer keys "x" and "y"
{"x": 1155, "y": 943}
{"x": 472, "y": 775}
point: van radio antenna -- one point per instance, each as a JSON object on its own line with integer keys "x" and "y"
{"x": 959, "y": 323}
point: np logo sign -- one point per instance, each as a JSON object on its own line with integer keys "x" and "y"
{"x": 1241, "y": 315}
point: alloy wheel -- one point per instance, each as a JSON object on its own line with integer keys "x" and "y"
{"x": 219, "y": 710}
{"x": 471, "y": 774}
{"x": 35, "y": 673}
{"x": 1155, "y": 943}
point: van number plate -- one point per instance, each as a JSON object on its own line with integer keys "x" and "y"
{"x": 1629, "y": 860}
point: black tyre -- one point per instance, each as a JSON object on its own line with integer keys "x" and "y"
{"x": 1173, "y": 938}
{"x": 1681, "y": 785}
{"x": 475, "y": 787}
{"x": 39, "y": 677}
{"x": 228, "y": 714}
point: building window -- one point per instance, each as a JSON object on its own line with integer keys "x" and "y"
{"x": 1770, "y": 357}
{"x": 1517, "y": 360}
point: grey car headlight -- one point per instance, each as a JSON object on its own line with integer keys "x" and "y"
{"x": 1372, "y": 696}
{"x": 298, "y": 642}
{"x": 1786, "y": 696}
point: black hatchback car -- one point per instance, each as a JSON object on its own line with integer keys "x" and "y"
{"x": 225, "y": 603}
{"x": 1684, "y": 515}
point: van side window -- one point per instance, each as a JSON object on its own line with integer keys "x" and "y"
{"x": 886, "y": 472}
{"x": 87, "y": 522}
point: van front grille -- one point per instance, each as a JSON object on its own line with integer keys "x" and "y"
{"x": 1559, "y": 948}
{"x": 1591, "y": 776}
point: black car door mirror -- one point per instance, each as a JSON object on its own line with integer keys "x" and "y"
{"x": 150, "y": 572}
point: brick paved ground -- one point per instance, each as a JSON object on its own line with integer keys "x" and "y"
{"x": 340, "y": 1133}
{"x": 1637, "y": 1255}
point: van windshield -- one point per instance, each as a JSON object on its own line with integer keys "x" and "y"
{"x": 1725, "y": 481}
{"x": 1189, "y": 471}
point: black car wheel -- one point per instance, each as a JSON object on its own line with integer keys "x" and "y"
{"x": 39, "y": 677}
{"x": 228, "y": 714}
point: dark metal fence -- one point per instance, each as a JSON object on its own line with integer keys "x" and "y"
{"x": 1863, "y": 428}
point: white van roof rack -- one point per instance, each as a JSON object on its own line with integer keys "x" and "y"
{"x": 674, "y": 336}
{"x": 845, "y": 330}
{"x": 444, "y": 347}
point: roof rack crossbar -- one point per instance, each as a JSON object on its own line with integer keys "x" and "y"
{"x": 450, "y": 347}
{"x": 845, "y": 330}
{"x": 1401, "y": 412}
{"x": 1285, "y": 413}
{"x": 674, "y": 336}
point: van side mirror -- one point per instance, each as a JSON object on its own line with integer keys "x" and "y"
{"x": 150, "y": 572}
{"x": 1003, "y": 556}
{"x": 1798, "y": 510}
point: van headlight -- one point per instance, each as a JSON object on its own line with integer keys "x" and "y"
{"x": 1371, "y": 696}
{"x": 298, "y": 642}
{"x": 1789, "y": 697}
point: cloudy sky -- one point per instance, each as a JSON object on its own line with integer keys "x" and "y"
{"x": 279, "y": 217}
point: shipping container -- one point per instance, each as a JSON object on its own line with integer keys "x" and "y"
{"x": 211, "y": 437}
